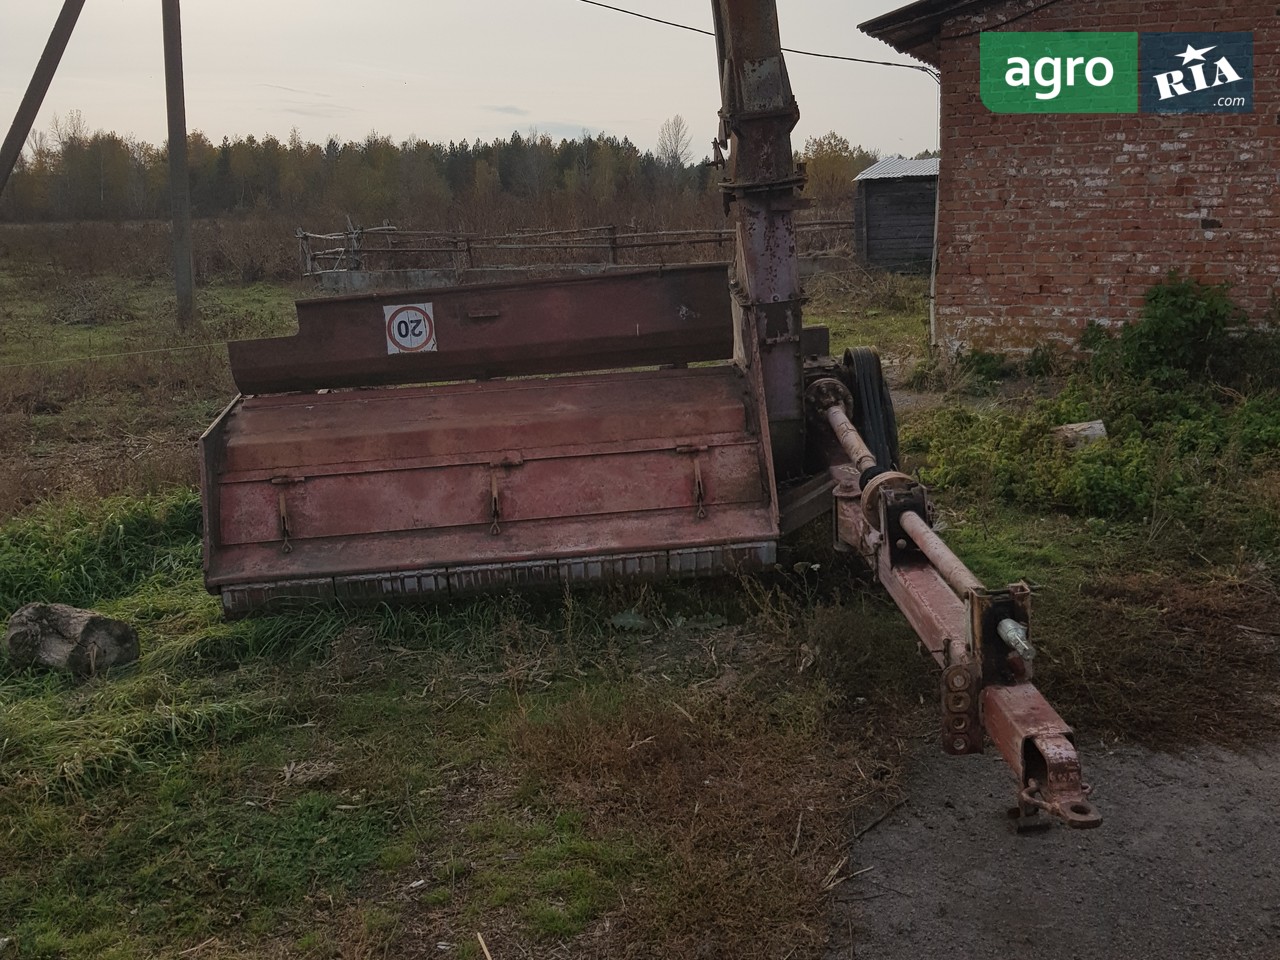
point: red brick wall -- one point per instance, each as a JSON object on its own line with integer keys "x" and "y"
{"x": 1048, "y": 222}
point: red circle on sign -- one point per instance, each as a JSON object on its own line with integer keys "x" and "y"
{"x": 428, "y": 327}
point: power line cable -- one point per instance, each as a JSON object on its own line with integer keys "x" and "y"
{"x": 109, "y": 356}
{"x": 804, "y": 53}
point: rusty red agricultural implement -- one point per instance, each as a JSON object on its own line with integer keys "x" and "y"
{"x": 430, "y": 443}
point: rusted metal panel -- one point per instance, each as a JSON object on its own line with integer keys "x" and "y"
{"x": 1039, "y": 747}
{"x": 243, "y": 598}
{"x": 350, "y": 504}
{"x": 212, "y": 450}
{"x": 732, "y": 558}
{"x": 614, "y": 566}
{"x": 450, "y": 422}
{"x": 806, "y": 502}
{"x": 400, "y": 491}
{"x": 761, "y": 187}
{"x": 483, "y": 577}
{"x": 675, "y": 315}
{"x": 416, "y": 550}
{"x": 934, "y": 611}
{"x": 409, "y": 585}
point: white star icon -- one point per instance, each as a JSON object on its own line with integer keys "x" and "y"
{"x": 1191, "y": 53}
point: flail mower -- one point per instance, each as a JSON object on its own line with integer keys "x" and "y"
{"x": 668, "y": 422}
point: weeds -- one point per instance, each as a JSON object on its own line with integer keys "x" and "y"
{"x": 82, "y": 556}
{"x": 1168, "y": 529}
{"x": 863, "y": 307}
{"x": 741, "y": 807}
{"x": 1176, "y": 444}
{"x": 1183, "y": 332}
{"x": 99, "y": 393}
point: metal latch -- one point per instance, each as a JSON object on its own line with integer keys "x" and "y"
{"x": 510, "y": 458}
{"x": 699, "y": 491}
{"x": 282, "y": 506}
{"x": 495, "y": 508}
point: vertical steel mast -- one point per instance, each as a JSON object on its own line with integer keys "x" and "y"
{"x": 761, "y": 190}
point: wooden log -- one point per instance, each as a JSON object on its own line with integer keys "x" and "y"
{"x": 79, "y": 642}
{"x": 1081, "y": 434}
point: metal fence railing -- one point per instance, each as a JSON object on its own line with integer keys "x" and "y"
{"x": 390, "y": 248}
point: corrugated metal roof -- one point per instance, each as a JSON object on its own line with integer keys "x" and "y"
{"x": 891, "y": 168}
{"x": 915, "y": 28}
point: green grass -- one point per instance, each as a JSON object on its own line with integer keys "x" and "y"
{"x": 291, "y": 776}
{"x": 887, "y": 311}
{"x": 1156, "y": 543}
{"x": 99, "y": 392}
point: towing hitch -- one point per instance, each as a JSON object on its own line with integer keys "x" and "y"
{"x": 980, "y": 638}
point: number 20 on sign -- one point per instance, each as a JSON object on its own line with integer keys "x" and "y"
{"x": 411, "y": 328}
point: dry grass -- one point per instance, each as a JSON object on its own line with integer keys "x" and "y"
{"x": 566, "y": 788}
{"x": 119, "y": 408}
{"x": 746, "y": 805}
{"x": 95, "y": 428}
{"x": 242, "y": 249}
{"x": 1172, "y": 660}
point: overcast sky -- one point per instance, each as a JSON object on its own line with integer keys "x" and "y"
{"x": 451, "y": 69}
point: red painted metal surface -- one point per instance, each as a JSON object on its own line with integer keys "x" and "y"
{"x": 479, "y": 422}
{"x": 931, "y": 607}
{"x": 568, "y": 325}
{"x": 1032, "y": 738}
{"x": 392, "y": 492}
{"x": 404, "y": 491}
{"x": 1039, "y": 748}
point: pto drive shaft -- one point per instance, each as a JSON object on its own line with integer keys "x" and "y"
{"x": 978, "y": 636}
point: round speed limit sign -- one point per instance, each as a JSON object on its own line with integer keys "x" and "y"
{"x": 411, "y": 328}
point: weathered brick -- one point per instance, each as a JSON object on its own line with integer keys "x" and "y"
{"x": 1098, "y": 207}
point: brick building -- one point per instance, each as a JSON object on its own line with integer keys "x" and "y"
{"x": 1047, "y": 222}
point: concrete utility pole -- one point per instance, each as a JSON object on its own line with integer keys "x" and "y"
{"x": 39, "y": 86}
{"x": 179, "y": 177}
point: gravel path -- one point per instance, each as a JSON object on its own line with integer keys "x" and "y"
{"x": 1186, "y": 865}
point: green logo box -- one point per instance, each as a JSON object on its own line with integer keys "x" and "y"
{"x": 1060, "y": 72}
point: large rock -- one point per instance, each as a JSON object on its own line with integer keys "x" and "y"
{"x": 79, "y": 642}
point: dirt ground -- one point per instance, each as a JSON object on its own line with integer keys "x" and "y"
{"x": 1186, "y": 865}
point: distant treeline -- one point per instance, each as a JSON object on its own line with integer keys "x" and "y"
{"x": 71, "y": 174}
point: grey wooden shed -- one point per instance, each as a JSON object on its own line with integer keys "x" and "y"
{"x": 894, "y": 204}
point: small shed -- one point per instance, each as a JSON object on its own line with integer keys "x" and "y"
{"x": 894, "y": 209}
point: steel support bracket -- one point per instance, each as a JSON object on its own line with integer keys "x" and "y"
{"x": 894, "y": 501}
{"x": 987, "y": 608}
